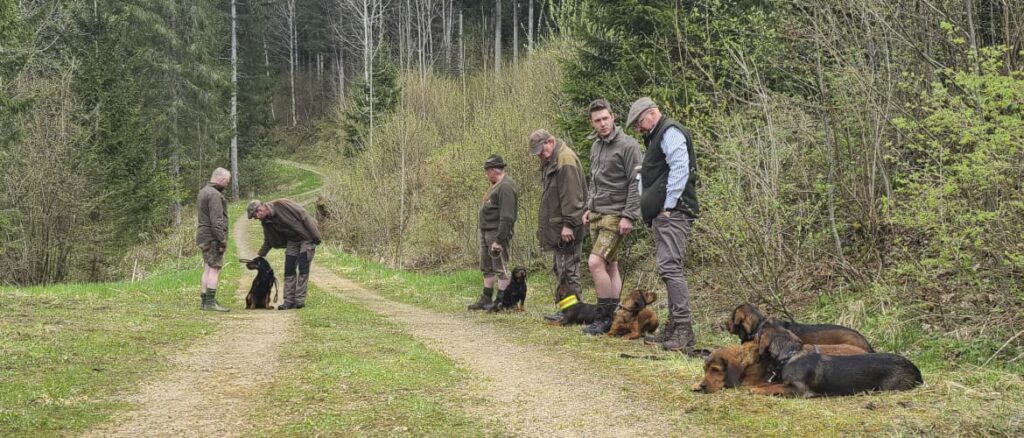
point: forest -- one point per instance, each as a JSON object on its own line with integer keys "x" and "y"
{"x": 864, "y": 156}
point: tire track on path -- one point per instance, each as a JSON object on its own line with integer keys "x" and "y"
{"x": 528, "y": 390}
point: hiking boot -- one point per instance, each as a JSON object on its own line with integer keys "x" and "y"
{"x": 287, "y": 306}
{"x": 209, "y": 301}
{"x": 661, "y": 336}
{"x": 604, "y": 323}
{"x": 484, "y": 302}
{"x": 681, "y": 339}
{"x": 496, "y": 305}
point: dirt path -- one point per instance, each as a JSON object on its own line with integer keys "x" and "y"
{"x": 213, "y": 385}
{"x": 529, "y": 390}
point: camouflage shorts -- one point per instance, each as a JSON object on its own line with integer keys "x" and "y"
{"x": 604, "y": 229}
{"x": 212, "y": 255}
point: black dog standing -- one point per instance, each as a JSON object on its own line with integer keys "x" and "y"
{"x": 259, "y": 293}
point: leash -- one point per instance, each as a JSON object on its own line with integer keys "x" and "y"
{"x": 644, "y": 356}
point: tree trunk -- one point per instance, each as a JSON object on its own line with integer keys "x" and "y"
{"x": 497, "y": 36}
{"x": 529, "y": 34}
{"x": 234, "y": 104}
{"x": 515, "y": 31}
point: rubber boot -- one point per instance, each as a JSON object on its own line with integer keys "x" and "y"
{"x": 484, "y": 302}
{"x": 301, "y": 283}
{"x": 663, "y": 335}
{"x": 210, "y": 302}
{"x": 289, "y": 293}
{"x": 604, "y": 323}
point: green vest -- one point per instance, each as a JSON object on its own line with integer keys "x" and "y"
{"x": 654, "y": 175}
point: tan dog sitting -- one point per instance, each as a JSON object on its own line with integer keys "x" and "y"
{"x": 633, "y": 318}
{"x": 732, "y": 367}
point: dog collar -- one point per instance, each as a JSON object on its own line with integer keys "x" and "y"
{"x": 568, "y": 302}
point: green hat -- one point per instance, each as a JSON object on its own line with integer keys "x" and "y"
{"x": 537, "y": 140}
{"x": 251, "y": 209}
{"x": 637, "y": 109}
{"x": 494, "y": 162}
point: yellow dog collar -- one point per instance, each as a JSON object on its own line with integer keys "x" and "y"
{"x": 568, "y": 302}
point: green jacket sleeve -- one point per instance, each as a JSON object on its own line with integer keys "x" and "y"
{"x": 631, "y": 162}
{"x": 266, "y": 243}
{"x": 507, "y": 204}
{"x": 572, "y": 195}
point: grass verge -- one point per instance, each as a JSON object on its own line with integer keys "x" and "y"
{"x": 954, "y": 401}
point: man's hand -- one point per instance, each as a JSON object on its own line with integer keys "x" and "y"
{"x": 567, "y": 234}
{"x": 586, "y": 217}
{"x": 221, "y": 247}
{"x": 496, "y": 247}
{"x": 625, "y": 226}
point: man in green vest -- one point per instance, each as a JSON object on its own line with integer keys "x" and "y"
{"x": 668, "y": 204}
{"x": 498, "y": 212}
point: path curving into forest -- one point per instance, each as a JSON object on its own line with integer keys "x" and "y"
{"x": 529, "y": 390}
{"x": 214, "y": 385}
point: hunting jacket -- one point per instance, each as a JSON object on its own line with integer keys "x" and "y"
{"x": 498, "y": 211}
{"x": 564, "y": 196}
{"x": 287, "y": 222}
{"x": 614, "y": 163}
{"x": 212, "y": 209}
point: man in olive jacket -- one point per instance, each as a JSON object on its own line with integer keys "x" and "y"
{"x": 287, "y": 225}
{"x": 613, "y": 204}
{"x": 560, "y": 218}
{"x": 668, "y": 204}
{"x": 212, "y": 236}
{"x": 498, "y": 213}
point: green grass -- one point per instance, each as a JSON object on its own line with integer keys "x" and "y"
{"x": 69, "y": 349}
{"x": 355, "y": 373}
{"x": 961, "y": 400}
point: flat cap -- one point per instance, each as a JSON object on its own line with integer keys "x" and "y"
{"x": 637, "y": 109}
{"x": 537, "y": 140}
{"x": 494, "y": 162}
{"x": 251, "y": 209}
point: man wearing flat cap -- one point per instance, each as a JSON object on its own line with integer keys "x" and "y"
{"x": 287, "y": 225}
{"x": 498, "y": 213}
{"x": 560, "y": 217}
{"x": 668, "y": 204}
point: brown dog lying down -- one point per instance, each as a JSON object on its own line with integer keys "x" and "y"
{"x": 732, "y": 367}
{"x": 809, "y": 374}
{"x": 633, "y": 318}
{"x": 747, "y": 320}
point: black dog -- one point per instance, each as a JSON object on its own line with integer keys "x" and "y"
{"x": 514, "y": 296}
{"x": 810, "y": 374}
{"x": 259, "y": 293}
{"x": 747, "y": 320}
{"x": 575, "y": 311}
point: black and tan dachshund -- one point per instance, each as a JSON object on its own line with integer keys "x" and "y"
{"x": 810, "y": 374}
{"x": 259, "y": 293}
{"x": 747, "y": 320}
{"x": 514, "y": 296}
{"x": 574, "y": 310}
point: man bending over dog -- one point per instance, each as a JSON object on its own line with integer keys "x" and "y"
{"x": 287, "y": 225}
{"x": 212, "y": 235}
{"x": 497, "y": 223}
{"x": 613, "y": 203}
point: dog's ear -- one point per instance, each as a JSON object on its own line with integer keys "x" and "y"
{"x": 733, "y": 372}
{"x": 751, "y": 321}
{"x": 650, "y": 297}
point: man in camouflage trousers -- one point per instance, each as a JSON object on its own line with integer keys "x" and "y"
{"x": 498, "y": 213}
{"x": 212, "y": 236}
{"x": 560, "y": 217}
{"x": 287, "y": 225}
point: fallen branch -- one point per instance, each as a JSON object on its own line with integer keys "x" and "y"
{"x": 1008, "y": 341}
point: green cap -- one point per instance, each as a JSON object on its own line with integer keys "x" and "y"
{"x": 494, "y": 162}
{"x": 637, "y": 109}
{"x": 537, "y": 140}
{"x": 251, "y": 209}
